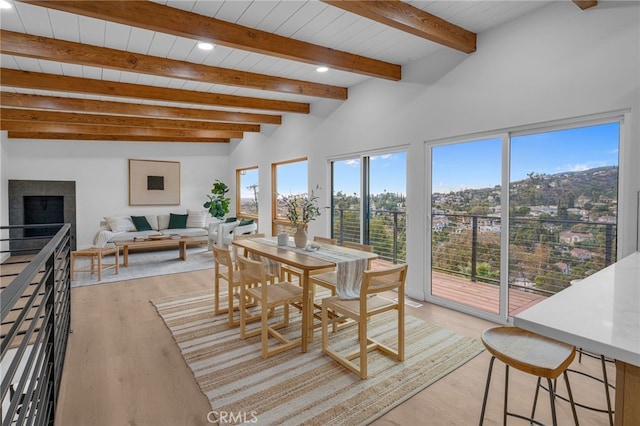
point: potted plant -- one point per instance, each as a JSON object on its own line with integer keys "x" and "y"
{"x": 218, "y": 204}
{"x": 300, "y": 210}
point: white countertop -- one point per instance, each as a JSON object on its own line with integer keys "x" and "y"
{"x": 600, "y": 313}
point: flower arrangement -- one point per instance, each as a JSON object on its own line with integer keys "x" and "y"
{"x": 301, "y": 208}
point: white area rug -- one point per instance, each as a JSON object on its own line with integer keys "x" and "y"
{"x": 146, "y": 264}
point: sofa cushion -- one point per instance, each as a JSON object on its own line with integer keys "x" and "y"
{"x": 177, "y": 221}
{"x": 120, "y": 223}
{"x": 163, "y": 221}
{"x": 244, "y": 222}
{"x": 141, "y": 223}
{"x": 196, "y": 218}
{"x": 230, "y": 219}
{"x": 153, "y": 221}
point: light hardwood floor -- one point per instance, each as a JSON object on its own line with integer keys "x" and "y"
{"x": 123, "y": 367}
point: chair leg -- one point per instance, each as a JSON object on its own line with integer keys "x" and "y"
{"x": 535, "y": 398}
{"x": 552, "y": 402}
{"x": 506, "y": 393}
{"x": 362, "y": 331}
{"x": 570, "y": 394}
{"x": 230, "y": 303}
{"x": 486, "y": 390}
{"x": 606, "y": 389}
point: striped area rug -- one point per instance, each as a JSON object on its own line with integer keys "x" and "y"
{"x": 294, "y": 388}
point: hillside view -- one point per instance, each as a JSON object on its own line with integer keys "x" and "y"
{"x": 563, "y": 228}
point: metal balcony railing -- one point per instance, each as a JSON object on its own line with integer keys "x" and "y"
{"x": 545, "y": 255}
{"x": 35, "y": 315}
{"x": 386, "y": 231}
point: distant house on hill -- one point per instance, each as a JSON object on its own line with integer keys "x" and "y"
{"x": 570, "y": 237}
{"x": 581, "y": 254}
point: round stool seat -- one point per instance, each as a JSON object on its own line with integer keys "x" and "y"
{"x": 529, "y": 352}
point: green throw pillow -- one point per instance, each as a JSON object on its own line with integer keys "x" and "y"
{"x": 244, "y": 222}
{"x": 230, "y": 219}
{"x": 177, "y": 221}
{"x": 141, "y": 223}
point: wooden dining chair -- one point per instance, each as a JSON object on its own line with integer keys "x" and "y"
{"x": 254, "y": 285}
{"x": 288, "y": 272}
{"x": 369, "y": 303}
{"x": 225, "y": 270}
{"x": 243, "y": 237}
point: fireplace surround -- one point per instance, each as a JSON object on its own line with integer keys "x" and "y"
{"x": 41, "y": 194}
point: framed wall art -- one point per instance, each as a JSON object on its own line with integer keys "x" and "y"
{"x": 154, "y": 183}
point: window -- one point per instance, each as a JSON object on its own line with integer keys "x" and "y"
{"x": 369, "y": 202}
{"x": 247, "y": 192}
{"x": 287, "y": 177}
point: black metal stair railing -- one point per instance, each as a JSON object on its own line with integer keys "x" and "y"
{"x": 35, "y": 316}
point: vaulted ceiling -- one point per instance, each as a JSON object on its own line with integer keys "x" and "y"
{"x": 131, "y": 70}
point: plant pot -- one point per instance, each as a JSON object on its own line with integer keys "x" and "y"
{"x": 300, "y": 237}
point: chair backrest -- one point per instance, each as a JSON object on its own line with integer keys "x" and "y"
{"x": 222, "y": 256}
{"x": 379, "y": 280}
{"x": 325, "y": 240}
{"x": 252, "y": 271}
{"x": 357, "y": 246}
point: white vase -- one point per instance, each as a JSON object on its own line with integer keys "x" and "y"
{"x": 300, "y": 237}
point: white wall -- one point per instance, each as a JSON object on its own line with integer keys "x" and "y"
{"x": 101, "y": 170}
{"x": 558, "y": 62}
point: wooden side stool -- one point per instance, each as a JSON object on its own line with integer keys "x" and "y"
{"x": 532, "y": 354}
{"x": 96, "y": 253}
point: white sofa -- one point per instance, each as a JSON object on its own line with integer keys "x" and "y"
{"x": 222, "y": 233}
{"x": 122, "y": 228}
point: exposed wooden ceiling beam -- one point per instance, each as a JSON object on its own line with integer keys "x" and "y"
{"x": 169, "y": 20}
{"x": 22, "y": 100}
{"x": 23, "y": 126}
{"x": 31, "y": 46}
{"x": 35, "y": 116}
{"x": 55, "y": 82}
{"x": 585, "y": 4}
{"x": 88, "y": 137}
{"x": 405, "y": 17}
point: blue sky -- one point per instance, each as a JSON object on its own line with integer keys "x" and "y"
{"x": 388, "y": 173}
{"x": 477, "y": 164}
{"x": 473, "y": 164}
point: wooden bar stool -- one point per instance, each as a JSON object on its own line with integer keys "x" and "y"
{"x": 529, "y": 353}
{"x": 96, "y": 254}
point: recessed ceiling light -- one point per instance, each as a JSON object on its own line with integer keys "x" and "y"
{"x": 205, "y": 46}
{"x": 5, "y": 4}
{"x": 322, "y": 69}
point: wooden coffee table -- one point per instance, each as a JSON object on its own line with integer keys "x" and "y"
{"x": 180, "y": 243}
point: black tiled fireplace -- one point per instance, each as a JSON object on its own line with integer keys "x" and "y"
{"x": 41, "y": 202}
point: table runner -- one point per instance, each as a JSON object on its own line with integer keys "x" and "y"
{"x": 349, "y": 267}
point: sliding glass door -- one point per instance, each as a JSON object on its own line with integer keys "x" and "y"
{"x": 520, "y": 216}
{"x": 369, "y": 203}
{"x": 466, "y": 223}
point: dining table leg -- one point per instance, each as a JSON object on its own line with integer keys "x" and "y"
{"x": 307, "y": 312}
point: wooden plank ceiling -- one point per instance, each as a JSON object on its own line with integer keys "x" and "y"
{"x": 129, "y": 70}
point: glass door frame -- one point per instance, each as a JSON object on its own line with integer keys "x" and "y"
{"x": 504, "y": 236}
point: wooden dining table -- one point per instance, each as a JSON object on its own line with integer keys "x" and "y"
{"x": 304, "y": 261}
